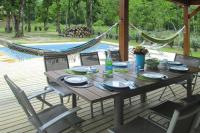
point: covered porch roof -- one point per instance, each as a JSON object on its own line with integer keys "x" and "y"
{"x": 124, "y": 22}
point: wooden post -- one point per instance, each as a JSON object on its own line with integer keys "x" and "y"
{"x": 186, "y": 31}
{"x": 123, "y": 30}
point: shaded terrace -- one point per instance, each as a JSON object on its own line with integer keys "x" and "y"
{"x": 29, "y": 75}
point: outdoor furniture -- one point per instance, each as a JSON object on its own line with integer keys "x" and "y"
{"x": 51, "y": 120}
{"x": 94, "y": 93}
{"x": 189, "y": 61}
{"x": 115, "y": 55}
{"x": 56, "y": 62}
{"x": 183, "y": 120}
{"x": 89, "y": 59}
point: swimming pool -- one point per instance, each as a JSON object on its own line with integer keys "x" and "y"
{"x": 55, "y": 47}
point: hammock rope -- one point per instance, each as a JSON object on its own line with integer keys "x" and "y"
{"x": 158, "y": 40}
{"x": 42, "y": 52}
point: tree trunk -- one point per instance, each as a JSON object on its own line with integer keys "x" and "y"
{"x": 22, "y": 2}
{"x": 68, "y": 14}
{"x": 8, "y": 28}
{"x": 29, "y": 18}
{"x": 18, "y": 20}
{"x": 89, "y": 5}
{"x": 16, "y": 26}
{"x": 46, "y": 19}
{"x": 58, "y": 17}
{"x": 29, "y": 25}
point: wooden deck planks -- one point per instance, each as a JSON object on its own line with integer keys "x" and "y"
{"x": 31, "y": 79}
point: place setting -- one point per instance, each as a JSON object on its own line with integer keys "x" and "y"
{"x": 115, "y": 85}
{"x": 82, "y": 70}
{"x": 152, "y": 76}
{"x": 182, "y": 68}
{"x": 176, "y": 66}
{"x": 77, "y": 81}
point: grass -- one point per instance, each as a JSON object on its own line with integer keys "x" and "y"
{"x": 180, "y": 51}
{"x": 51, "y": 36}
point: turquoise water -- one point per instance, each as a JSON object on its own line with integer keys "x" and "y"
{"x": 54, "y": 47}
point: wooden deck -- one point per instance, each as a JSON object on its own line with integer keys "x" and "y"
{"x": 29, "y": 75}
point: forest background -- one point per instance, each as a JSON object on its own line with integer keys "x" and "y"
{"x": 160, "y": 18}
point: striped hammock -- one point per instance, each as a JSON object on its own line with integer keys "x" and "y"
{"x": 158, "y": 40}
{"x": 42, "y": 52}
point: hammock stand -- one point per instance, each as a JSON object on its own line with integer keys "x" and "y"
{"x": 42, "y": 52}
{"x": 156, "y": 41}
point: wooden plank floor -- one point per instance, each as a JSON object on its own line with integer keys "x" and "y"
{"x": 29, "y": 75}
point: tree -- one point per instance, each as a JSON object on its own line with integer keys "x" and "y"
{"x": 45, "y": 12}
{"x": 58, "y": 16}
{"x": 89, "y": 11}
{"x": 18, "y": 16}
{"x": 29, "y": 12}
{"x": 7, "y": 7}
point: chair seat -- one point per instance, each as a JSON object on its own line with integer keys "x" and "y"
{"x": 50, "y": 113}
{"x": 140, "y": 125}
{"x": 166, "y": 109}
{"x": 60, "y": 90}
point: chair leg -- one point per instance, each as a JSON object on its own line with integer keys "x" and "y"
{"x": 61, "y": 99}
{"x": 44, "y": 96}
{"x": 195, "y": 81}
{"x": 102, "y": 110}
{"x": 172, "y": 91}
{"x": 68, "y": 99}
{"x": 162, "y": 93}
{"x": 91, "y": 108}
{"x": 130, "y": 100}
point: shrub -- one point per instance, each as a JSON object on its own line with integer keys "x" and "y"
{"x": 99, "y": 23}
{"x": 195, "y": 44}
{"x": 46, "y": 28}
{"x": 25, "y": 28}
{"x": 36, "y": 28}
{"x": 40, "y": 28}
{"x": 171, "y": 44}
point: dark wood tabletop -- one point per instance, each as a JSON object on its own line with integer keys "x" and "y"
{"x": 94, "y": 94}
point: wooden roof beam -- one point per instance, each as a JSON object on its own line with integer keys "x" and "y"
{"x": 179, "y": 2}
{"x": 183, "y": 2}
{"x": 194, "y": 2}
{"x": 193, "y": 13}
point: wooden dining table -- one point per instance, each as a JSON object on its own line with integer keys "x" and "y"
{"x": 142, "y": 86}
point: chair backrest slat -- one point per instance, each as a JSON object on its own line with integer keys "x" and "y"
{"x": 55, "y": 62}
{"x": 23, "y": 100}
{"x": 115, "y": 55}
{"x": 15, "y": 91}
{"x": 89, "y": 59}
{"x": 183, "y": 119}
{"x": 188, "y": 60}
